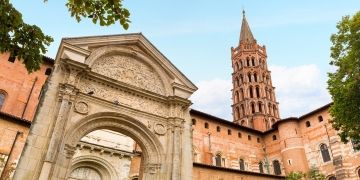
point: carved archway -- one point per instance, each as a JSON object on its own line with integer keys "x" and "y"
{"x": 152, "y": 151}
{"x": 106, "y": 170}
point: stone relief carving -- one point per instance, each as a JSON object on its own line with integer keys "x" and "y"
{"x": 82, "y": 107}
{"x": 123, "y": 98}
{"x": 129, "y": 70}
{"x": 160, "y": 129}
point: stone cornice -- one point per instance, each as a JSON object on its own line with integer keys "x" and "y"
{"x": 104, "y": 149}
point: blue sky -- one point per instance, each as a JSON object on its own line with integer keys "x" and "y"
{"x": 197, "y": 36}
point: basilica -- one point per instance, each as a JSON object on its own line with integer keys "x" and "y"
{"x": 113, "y": 107}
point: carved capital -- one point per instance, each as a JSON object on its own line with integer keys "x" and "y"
{"x": 74, "y": 70}
{"x": 67, "y": 92}
{"x": 69, "y": 150}
{"x": 152, "y": 168}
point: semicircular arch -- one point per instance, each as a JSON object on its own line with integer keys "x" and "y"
{"x": 100, "y": 164}
{"x": 152, "y": 150}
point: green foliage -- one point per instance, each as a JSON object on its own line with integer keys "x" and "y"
{"x": 21, "y": 40}
{"x": 107, "y": 12}
{"x": 344, "y": 84}
{"x": 315, "y": 174}
{"x": 295, "y": 176}
{"x": 28, "y": 42}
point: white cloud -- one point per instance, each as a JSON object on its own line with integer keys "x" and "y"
{"x": 214, "y": 97}
{"x": 299, "y": 90}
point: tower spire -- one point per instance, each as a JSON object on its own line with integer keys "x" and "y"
{"x": 245, "y": 33}
{"x": 254, "y": 103}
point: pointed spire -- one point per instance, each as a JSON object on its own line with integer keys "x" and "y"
{"x": 245, "y": 33}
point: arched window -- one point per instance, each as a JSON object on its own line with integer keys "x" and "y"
{"x": 266, "y": 93}
{"x": 277, "y": 169}
{"x": 249, "y": 137}
{"x": 267, "y": 124}
{"x": 236, "y": 81}
{"x": 242, "y": 164}
{"x": 251, "y": 92}
{"x": 274, "y": 137}
{"x": 320, "y": 118}
{"x": 260, "y": 106}
{"x": 249, "y": 77}
{"x": 229, "y": 131}
{"x": 206, "y": 125}
{"x": 255, "y": 77}
{"x": 269, "y": 107}
{"x": 236, "y": 96}
{"x": 241, "y": 79}
{"x": 332, "y": 178}
{"x": 325, "y": 153}
{"x": 242, "y": 110}
{"x": 247, "y": 61}
{"x": 261, "y": 168}
{"x": 253, "y": 61}
{"x": 257, "y": 91}
{"x": 193, "y": 121}
{"x": 2, "y": 99}
{"x": 48, "y": 71}
{"x": 218, "y": 129}
{"x": 274, "y": 110}
{"x": 241, "y": 63}
{"x": 218, "y": 160}
{"x": 237, "y": 112}
{"x": 239, "y": 135}
{"x": 241, "y": 94}
{"x": 253, "y": 108}
{"x": 236, "y": 66}
{"x": 307, "y": 123}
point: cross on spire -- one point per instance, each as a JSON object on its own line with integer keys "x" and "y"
{"x": 245, "y": 33}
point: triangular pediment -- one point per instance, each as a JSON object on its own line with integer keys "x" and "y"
{"x": 89, "y": 49}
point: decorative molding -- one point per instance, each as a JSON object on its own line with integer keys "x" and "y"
{"x": 124, "y": 98}
{"x": 127, "y": 69}
{"x": 81, "y": 107}
{"x": 160, "y": 129}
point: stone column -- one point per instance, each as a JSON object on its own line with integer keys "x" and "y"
{"x": 176, "y": 150}
{"x": 66, "y": 94}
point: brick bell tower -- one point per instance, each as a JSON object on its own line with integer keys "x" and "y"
{"x": 254, "y": 102}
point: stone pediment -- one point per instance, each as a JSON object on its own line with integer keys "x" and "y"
{"x": 129, "y": 59}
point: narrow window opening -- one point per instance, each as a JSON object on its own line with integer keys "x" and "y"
{"x": 12, "y": 59}
{"x": 48, "y": 71}
{"x": 239, "y": 134}
{"x": 207, "y": 125}
{"x": 249, "y": 137}
{"x": 193, "y": 121}
{"x": 274, "y": 137}
{"x": 320, "y": 118}
{"x": 308, "y": 124}
{"x": 218, "y": 129}
{"x": 229, "y": 131}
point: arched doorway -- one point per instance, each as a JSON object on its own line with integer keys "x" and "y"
{"x": 152, "y": 151}
{"x": 126, "y": 86}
